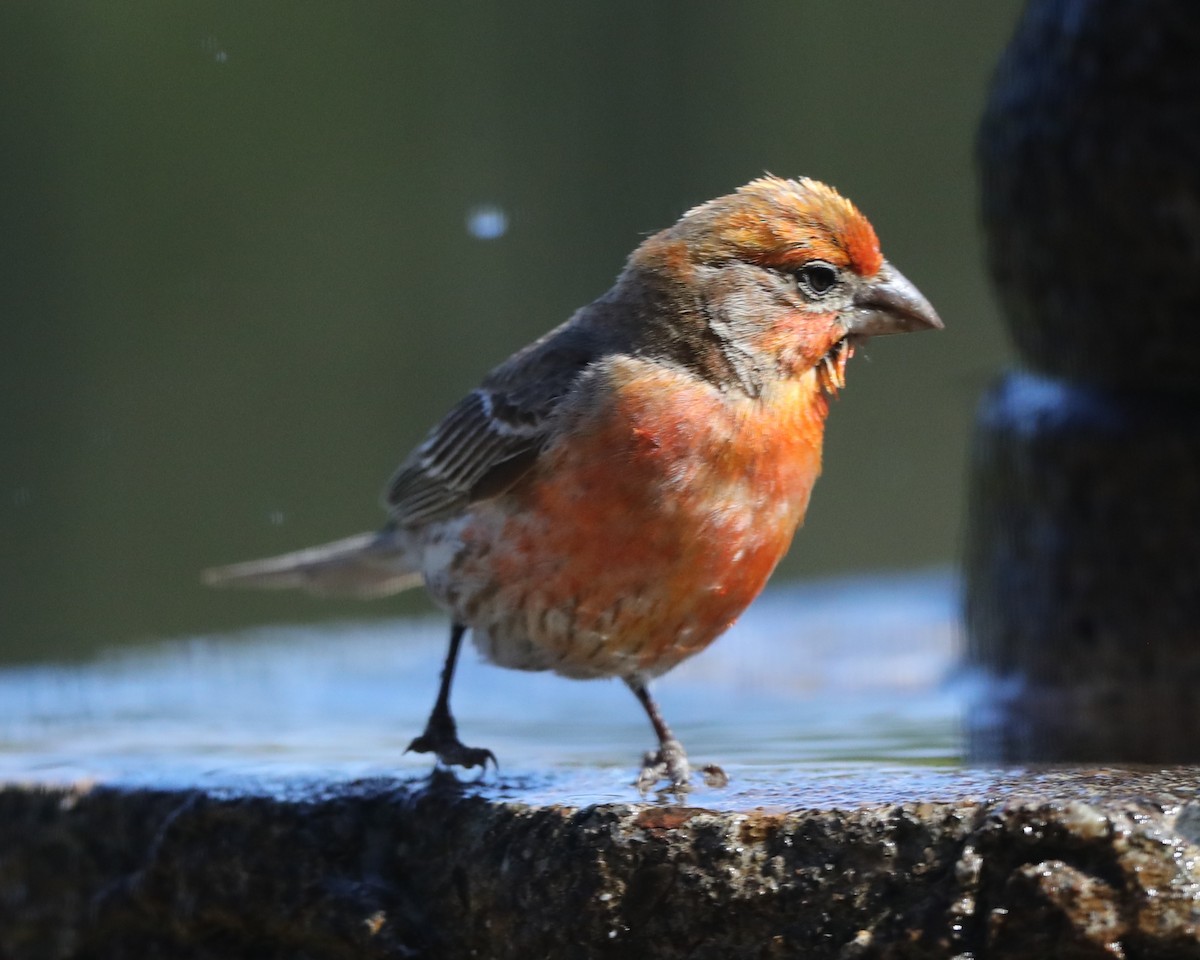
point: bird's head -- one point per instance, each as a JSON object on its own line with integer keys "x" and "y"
{"x": 782, "y": 272}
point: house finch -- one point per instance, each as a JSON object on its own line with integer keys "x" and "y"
{"x": 615, "y": 494}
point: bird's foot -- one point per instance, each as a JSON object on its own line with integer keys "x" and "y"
{"x": 441, "y": 739}
{"x": 669, "y": 763}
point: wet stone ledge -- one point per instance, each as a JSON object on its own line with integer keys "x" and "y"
{"x": 1082, "y": 863}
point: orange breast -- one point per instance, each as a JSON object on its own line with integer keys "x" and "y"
{"x": 650, "y": 527}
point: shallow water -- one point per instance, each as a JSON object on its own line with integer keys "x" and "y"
{"x": 823, "y": 691}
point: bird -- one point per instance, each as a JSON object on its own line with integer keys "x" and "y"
{"x": 614, "y": 495}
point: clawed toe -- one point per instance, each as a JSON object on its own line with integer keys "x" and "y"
{"x": 452, "y": 752}
{"x": 668, "y": 763}
{"x": 714, "y": 776}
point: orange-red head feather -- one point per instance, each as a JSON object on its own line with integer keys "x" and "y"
{"x": 780, "y": 223}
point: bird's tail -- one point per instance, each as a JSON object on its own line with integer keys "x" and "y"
{"x": 366, "y": 565}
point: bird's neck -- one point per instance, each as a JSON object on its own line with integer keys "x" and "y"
{"x": 668, "y": 321}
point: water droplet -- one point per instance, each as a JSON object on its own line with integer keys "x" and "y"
{"x": 487, "y": 222}
{"x": 212, "y": 47}
{"x": 276, "y": 518}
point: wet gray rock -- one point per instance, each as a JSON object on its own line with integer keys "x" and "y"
{"x": 1080, "y": 863}
{"x": 1083, "y": 586}
{"x": 1082, "y": 558}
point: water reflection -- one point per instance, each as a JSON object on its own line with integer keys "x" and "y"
{"x": 829, "y": 677}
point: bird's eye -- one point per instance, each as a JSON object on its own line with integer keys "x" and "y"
{"x": 817, "y": 277}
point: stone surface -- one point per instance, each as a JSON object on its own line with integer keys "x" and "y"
{"x": 1081, "y": 863}
{"x": 1083, "y": 566}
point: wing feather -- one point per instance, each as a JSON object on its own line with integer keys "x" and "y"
{"x": 494, "y": 435}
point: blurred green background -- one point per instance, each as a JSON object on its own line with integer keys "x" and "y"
{"x": 250, "y": 251}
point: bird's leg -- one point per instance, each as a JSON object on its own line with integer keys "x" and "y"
{"x": 669, "y": 762}
{"x": 441, "y": 732}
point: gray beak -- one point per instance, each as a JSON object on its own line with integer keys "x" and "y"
{"x": 889, "y": 303}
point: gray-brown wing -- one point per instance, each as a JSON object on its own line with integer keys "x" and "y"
{"x": 494, "y": 434}
{"x": 447, "y": 471}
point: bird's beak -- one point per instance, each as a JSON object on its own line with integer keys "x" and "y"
{"x": 889, "y": 303}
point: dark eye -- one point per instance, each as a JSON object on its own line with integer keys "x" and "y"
{"x": 817, "y": 278}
